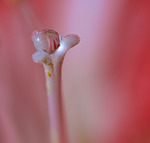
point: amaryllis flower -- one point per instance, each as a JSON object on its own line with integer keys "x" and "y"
{"x": 105, "y": 79}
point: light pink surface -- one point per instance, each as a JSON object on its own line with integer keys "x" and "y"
{"x": 106, "y": 78}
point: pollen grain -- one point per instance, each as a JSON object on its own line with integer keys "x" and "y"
{"x": 48, "y": 73}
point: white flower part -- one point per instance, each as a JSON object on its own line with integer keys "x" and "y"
{"x": 71, "y": 40}
{"x": 51, "y": 47}
{"x": 41, "y": 57}
{"x": 66, "y": 43}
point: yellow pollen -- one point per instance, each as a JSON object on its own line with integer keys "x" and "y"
{"x": 51, "y": 65}
{"x": 48, "y": 73}
{"x": 45, "y": 62}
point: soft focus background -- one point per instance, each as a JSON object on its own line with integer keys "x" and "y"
{"x": 106, "y": 78}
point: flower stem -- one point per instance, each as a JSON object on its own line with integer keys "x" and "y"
{"x": 53, "y": 82}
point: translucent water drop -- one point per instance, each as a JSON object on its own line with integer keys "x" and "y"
{"x": 46, "y": 40}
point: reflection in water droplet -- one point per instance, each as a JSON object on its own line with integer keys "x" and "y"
{"x": 46, "y": 40}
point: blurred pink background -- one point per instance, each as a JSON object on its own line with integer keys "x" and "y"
{"x": 106, "y": 78}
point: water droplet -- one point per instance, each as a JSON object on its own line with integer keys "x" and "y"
{"x": 46, "y": 40}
